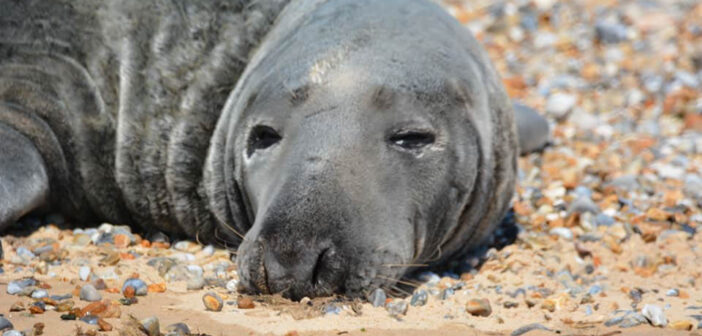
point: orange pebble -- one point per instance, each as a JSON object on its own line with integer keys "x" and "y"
{"x": 122, "y": 240}
{"x": 129, "y": 292}
{"x": 157, "y": 288}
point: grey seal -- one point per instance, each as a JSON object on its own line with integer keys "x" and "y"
{"x": 339, "y": 144}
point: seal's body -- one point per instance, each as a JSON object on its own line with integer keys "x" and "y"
{"x": 337, "y": 142}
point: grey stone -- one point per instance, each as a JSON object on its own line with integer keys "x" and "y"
{"x": 89, "y": 293}
{"x": 5, "y": 324}
{"x": 39, "y": 293}
{"x": 90, "y": 319}
{"x": 527, "y": 328}
{"x": 632, "y": 320}
{"x": 583, "y": 205}
{"x": 562, "y": 232}
{"x": 419, "y": 298}
{"x": 84, "y": 273}
{"x": 655, "y": 315}
{"x": 139, "y": 286}
{"x": 611, "y": 33}
{"x": 195, "y": 283}
{"x": 232, "y": 285}
{"x": 15, "y": 287}
{"x": 560, "y": 105}
{"x": 12, "y": 333}
{"x": 332, "y": 309}
{"x": 446, "y": 293}
{"x": 397, "y": 307}
{"x": 377, "y": 298}
{"x": 151, "y": 326}
{"x": 177, "y": 329}
{"x": 162, "y": 264}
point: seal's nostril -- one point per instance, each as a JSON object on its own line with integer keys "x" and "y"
{"x": 319, "y": 267}
{"x": 261, "y": 274}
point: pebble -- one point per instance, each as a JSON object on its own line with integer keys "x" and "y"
{"x": 89, "y": 293}
{"x": 446, "y": 293}
{"x": 25, "y": 253}
{"x": 232, "y": 285}
{"x": 5, "y": 323}
{"x": 510, "y": 304}
{"x": 397, "y": 307}
{"x": 84, "y": 273}
{"x": 633, "y": 320}
{"x": 611, "y": 33}
{"x": 140, "y": 287}
{"x": 332, "y": 309}
{"x": 196, "y": 283}
{"x": 177, "y": 329}
{"x": 68, "y": 317}
{"x": 595, "y": 289}
{"x": 562, "y": 232}
{"x": 212, "y": 302}
{"x": 527, "y": 328}
{"x": 17, "y": 306}
{"x": 583, "y": 205}
{"x": 151, "y": 326}
{"x": 672, "y": 292}
{"x": 129, "y": 292}
{"x": 245, "y": 303}
{"x": 17, "y": 286}
{"x": 162, "y": 264}
{"x": 12, "y": 333}
{"x": 65, "y": 306}
{"x": 90, "y": 319}
{"x": 377, "y": 297}
{"x": 430, "y": 279}
{"x": 655, "y": 315}
{"x": 604, "y": 220}
{"x": 559, "y": 105}
{"x": 681, "y": 325}
{"x": 635, "y": 295}
{"x": 419, "y": 298}
{"x": 104, "y": 325}
{"x": 479, "y": 307}
{"x": 39, "y": 293}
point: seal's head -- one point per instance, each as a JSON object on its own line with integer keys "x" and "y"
{"x": 365, "y": 138}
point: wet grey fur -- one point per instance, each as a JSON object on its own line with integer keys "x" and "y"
{"x": 142, "y": 112}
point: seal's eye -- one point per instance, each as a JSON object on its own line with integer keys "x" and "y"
{"x": 412, "y": 140}
{"x": 261, "y": 137}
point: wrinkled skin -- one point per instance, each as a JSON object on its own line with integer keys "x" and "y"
{"x": 339, "y": 144}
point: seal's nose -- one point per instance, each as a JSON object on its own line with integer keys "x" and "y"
{"x": 294, "y": 270}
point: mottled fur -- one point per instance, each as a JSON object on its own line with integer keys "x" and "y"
{"x": 122, "y": 97}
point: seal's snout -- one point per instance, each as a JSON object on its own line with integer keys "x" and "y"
{"x": 274, "y": 263}
{"x": 299, "y": 272}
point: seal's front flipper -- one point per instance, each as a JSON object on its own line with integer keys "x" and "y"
{"x": 24, "y": 183}
{"x": 532, "y": 128}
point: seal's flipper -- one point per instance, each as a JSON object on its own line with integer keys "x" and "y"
{"x": 24, "y": 183}
{"x": 532, "y": 128}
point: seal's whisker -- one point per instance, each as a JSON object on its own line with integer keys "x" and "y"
{"x": 404, "y": 282}
{"x": 233, "y": 230}
{"x": 404, "y": 265}
{"x": 398, "y": 289}
{"x": 224, "y": 242}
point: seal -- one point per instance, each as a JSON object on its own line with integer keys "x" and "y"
{"x": 339, "y": 144}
